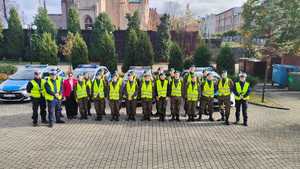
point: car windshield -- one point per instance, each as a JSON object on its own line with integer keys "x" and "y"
{"x": 25, "y": 74}
{"x": 77, "y": 72}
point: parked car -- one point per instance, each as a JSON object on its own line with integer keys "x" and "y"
{"x": 14, "y": 88}
{"x": 93, "y": 70}
{"x": 216, "y": 78}
{"x": 46, "y": 72}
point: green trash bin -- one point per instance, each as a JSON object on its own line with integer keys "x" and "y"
{"x": 294, "y": 81}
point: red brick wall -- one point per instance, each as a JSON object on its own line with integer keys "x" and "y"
{"x": 291, "y": 60}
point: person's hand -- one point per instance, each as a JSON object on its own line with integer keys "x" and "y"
{"x": 129, "y": 98}
{"x": 56, "y": 95}
{"x": 157, "y": 98}
{"x": 65, "y": 98}
{"x": 167, "y": 98}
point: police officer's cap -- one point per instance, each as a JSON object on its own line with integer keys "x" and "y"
{"x": 147, "y": 74}
{"x": 53, "y": 72}
{"x": 131, "y": 73}
{"x": 37, "y": 72}
{"x": 162, "y": 74}
{"x": 177, "y": 71}
{"x": 243, "y": 74}
{"x": 224, "y": 71}
{"x": 193, "y": 66}
{"x": 115, "y": 74}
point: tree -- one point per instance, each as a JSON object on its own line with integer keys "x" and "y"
{"x": 67, "y": 48}
{"x": 73, "y": 23}
{"x": 202, "y": 56}
{"x": 44, "y": 23}
{"x": 79, "y": 54}
{"x": 144, "y": 52}
{"x": 225, "y": 60}
{"x": 133, "y": 21}
{"x": 14, "y": 38}
{"x": 163, "y": 39}
{"x": 130, "y": 49}
{"x": 48, "y": 50}
{"x": 102, "y": 26}
{"x": 176, "y": 57}
{"x": 109, "y": 52}
{"x": 276, "y": 21}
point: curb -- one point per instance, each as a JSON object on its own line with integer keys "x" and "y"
{"x": 271, "y": 107}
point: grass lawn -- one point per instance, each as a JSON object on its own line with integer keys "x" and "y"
{"x": 256, "y": 99}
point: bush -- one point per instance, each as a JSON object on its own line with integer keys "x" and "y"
{"x": 202, "y": 57}
{"x": 225, "y": 60}
{"x": 48, "y": 50}
{"x": 176, "y": 57}
{"x": 79, "y": 54}
{"x": 8, "y": 69}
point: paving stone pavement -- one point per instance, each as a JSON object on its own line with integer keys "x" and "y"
{"x": 272, "y": 140}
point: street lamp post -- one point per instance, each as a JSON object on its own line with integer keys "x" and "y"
{"x": 30, "y": 28}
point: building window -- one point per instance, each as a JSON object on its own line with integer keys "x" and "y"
{"x": 88, "y": 22}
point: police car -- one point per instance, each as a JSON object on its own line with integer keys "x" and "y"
{"x": 14, "y": 88}
{"x": 92, "y": 70}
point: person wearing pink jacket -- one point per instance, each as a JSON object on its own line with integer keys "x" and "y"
{"x": 69, "y": 96}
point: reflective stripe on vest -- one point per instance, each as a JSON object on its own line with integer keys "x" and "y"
{"x": 131, "y": 88}
{"x": 146, "y": 91}
{"x": 81, "y": 90}
{"x": 162, "y": 90}
{"x": 208, "y": 91}
{"x": 241, "y": 91}
{"x": 114, "y": 91}
{"x": 176, "y": 91}
{"x": 36, "y": 89}
{"x": 224, "y": 90}
{"x": 98, "y": 90}
{"x": 192, "y": 92}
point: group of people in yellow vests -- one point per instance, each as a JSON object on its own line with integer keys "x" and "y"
{"x": 190, "y": 89}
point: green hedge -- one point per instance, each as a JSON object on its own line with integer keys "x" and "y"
{"x": 7, "y": 69}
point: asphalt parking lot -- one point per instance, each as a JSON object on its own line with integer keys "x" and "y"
{"x": 272, "y": 140}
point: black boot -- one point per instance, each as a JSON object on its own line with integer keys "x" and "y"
{"x": 227, "y": 122}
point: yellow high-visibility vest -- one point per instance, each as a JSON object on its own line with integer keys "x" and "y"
{"x": 81, "y": 90}
{"x": 114, "y": 91}
{"x": 146, "y": 91}
{"x": 192, "y": 92}
{"x": 224, "y": 90}
{"x": 162, "y": 90}
{"x": 208, "y": 90}
{"x": 36, "y": 91}
{"x": 131, "y": 88}
{"x": 58, "y": 88}
{"x": 176, "y": 91}
{"x": 98, "y": 90}
{"x": 241, "y": 91}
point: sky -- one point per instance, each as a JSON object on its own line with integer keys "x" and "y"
{"x": 198, "y": 7}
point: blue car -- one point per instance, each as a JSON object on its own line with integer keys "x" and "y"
{"x": 14, "y": 88}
